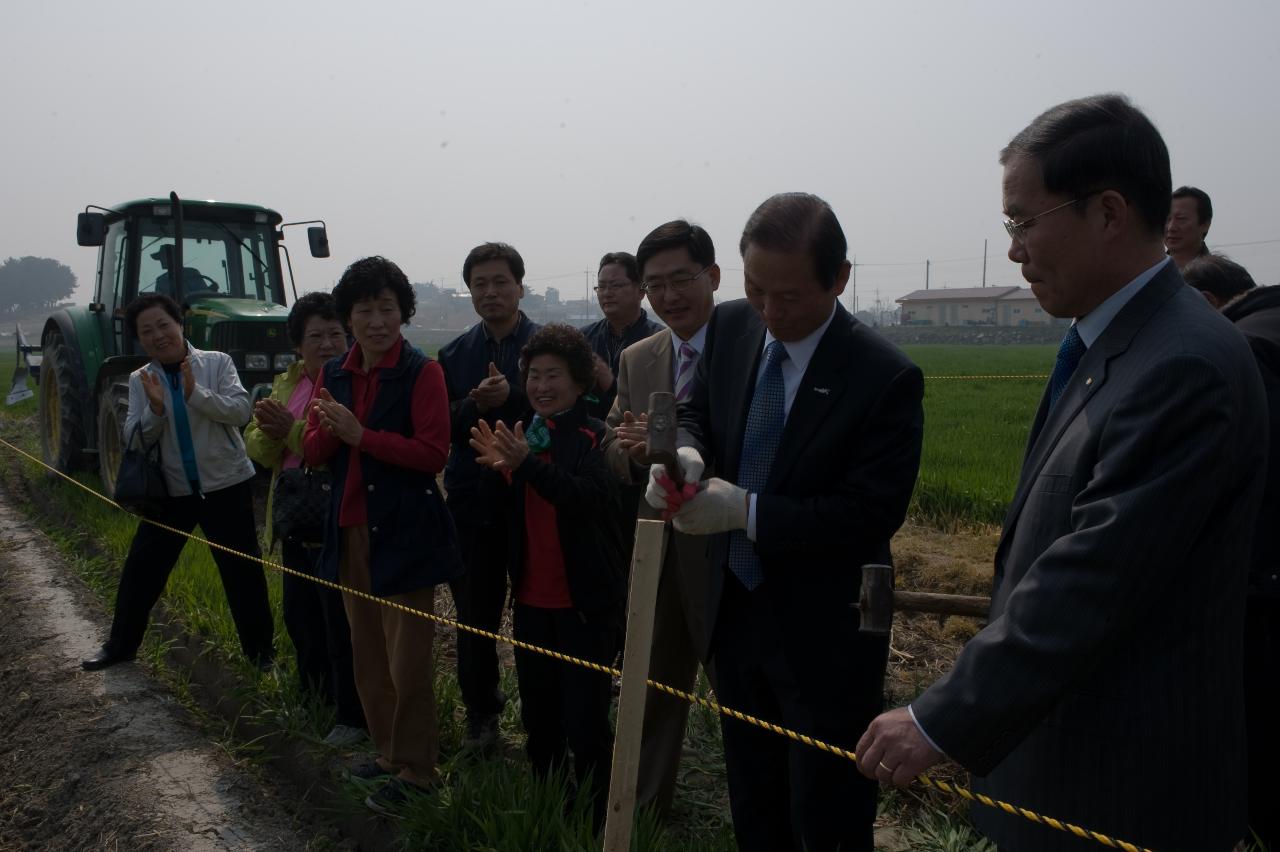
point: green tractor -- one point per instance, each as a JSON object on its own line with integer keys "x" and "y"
{"x": 220, "y": 261}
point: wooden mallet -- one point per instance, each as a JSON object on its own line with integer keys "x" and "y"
{"x": 663, "y": 428}
{"x": 877, "y": 600}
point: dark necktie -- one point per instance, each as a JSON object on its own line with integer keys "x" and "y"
{"x": 1069, "y": 355}
{"x": 765, "y": 420}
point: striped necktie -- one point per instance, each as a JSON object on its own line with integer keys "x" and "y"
{"x": 684, "y": 373}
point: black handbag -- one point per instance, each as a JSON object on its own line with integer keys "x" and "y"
{"x": 300, "y": 505}
{"x": 140, "y": 485}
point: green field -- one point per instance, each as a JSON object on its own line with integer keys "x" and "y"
{"x": 975, "y": 430}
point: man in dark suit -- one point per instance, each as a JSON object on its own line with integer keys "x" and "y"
{"x": 812, "y": 423}
{"x": 1106, "y": 689}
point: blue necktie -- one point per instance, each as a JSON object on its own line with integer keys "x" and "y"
{"x": 759, "y": 445}
{"x": 1069, "y": 355}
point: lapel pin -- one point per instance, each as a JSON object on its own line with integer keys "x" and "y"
{"x": 1089, "y": 380}
{"x": 823, "y": 391}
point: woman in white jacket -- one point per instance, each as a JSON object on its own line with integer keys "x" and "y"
{"x": 192, "y": 402}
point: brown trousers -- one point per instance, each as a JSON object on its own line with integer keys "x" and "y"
{"x": 391, "y": 655}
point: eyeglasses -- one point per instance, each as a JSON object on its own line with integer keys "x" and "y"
{"x": 614, "y": 287}
{"x": 678, "y": 282}
{"x": 1018, "y": 230}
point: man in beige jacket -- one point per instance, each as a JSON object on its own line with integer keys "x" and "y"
{"x": 679, "y": 275}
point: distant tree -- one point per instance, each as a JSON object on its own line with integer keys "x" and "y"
{"x": 34, "y": 284}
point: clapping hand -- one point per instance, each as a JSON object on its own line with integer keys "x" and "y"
{"x": 154, "y": 386}
{"x": 337, "y": 419}
{"x": 499, "y": 448}
{"x": 633, "y": 436}
{"x": 492, "y": 391}
{"x": 188, "y": 379}
{"x": 273, "y": 418}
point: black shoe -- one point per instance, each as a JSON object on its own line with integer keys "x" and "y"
{"x": 106, "y": 657}
{"x": 481, "y": 733}
{"x": 367, "y": 771}
{"x": 393, "y": 796}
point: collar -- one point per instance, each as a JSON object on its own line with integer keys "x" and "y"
{"x": 800, "y": 352}
{"x": 1091, "y": 326}
{"x": 355, "y": 358}
{"x": 629, "y": 327}
{"x": 521, "y": 319}
{"x": 697, "y": 341}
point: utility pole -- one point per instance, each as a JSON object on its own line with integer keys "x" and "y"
{"x": 926, "y": 275}
{"x": 984, "y": 263}
{"x": 855, "y": 283}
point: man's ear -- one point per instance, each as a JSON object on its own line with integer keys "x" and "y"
{"x": 1116, "y": 211}
{"x": 1213, "y": 300}
{"x": 713, "y": 272}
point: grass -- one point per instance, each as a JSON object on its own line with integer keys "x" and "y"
{"x": 974, "y": 436}
{"x": 975, "y": 429}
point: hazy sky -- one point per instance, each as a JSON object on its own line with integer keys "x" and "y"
{"x": 418, "y": 130}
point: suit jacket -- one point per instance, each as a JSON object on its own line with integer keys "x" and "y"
{"x": 1106, "y": 689}
{"x": 643, "y": 368}
{"x": 843, "y": 474}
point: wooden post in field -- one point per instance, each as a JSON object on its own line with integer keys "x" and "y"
{"x": 646, "y": 568}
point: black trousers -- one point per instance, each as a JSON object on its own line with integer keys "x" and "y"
{"x": 226, "y": 517}
{"x": 479, "y": 595}
{"x": 565, "y": 707}
{"x": 783, "y": 794}
{"x": 1262, "y": 695}
{"x": 317, "y": 623}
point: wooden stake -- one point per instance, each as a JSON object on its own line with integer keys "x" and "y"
{"x": 646, "y": 568}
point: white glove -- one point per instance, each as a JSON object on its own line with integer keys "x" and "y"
{"x": 719, "y": 506}
{"x": 691, "y": 467}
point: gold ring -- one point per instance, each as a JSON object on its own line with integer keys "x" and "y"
{"x": 886, "y": 768}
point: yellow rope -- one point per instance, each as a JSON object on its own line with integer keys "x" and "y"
{"x": 959, "y": 376}
{"x": 713, "y": 706}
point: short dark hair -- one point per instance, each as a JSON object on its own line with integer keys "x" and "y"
{"x": 366, "y": 279}
{"x": 1098, "y": 143}
{"x": 311, "y": 305}
{"x": 150, "y": 300}
{"x": 494, "y": 251}
{"x": 1204, "y": 207}
{"x": 568, "y": 343}
{"x": 673, "y": 235}
{"x": 626, "y": 260}
{"x": 1219, "y": 275}
{"x": 799, "y": 222}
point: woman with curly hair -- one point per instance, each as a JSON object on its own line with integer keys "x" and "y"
{"x": 567, "y": 568}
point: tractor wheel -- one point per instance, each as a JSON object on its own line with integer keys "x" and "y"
{"x": 62, "y": 388}
{"x": 113, "y": 409}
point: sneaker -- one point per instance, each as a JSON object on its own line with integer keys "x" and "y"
{"x": 392, "y": 797}
{"x": 481, "y": 733}
{"x": 344, "y": 735}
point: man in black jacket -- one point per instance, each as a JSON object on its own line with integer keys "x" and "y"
{"x": 482, "y": 372}
{"x": 1256, "y": 312}
{"x": 625, "y": 322}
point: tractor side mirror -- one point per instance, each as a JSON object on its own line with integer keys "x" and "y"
{"x": 318, "y": 239}
{"x": 91, "y": 229}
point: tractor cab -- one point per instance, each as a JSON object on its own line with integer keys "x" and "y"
{"x": 222, "y": 262}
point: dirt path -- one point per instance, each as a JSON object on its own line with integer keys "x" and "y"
{"x": 106, "y": 760}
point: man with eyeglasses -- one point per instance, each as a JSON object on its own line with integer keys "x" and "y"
{"x": 676, "y": 263}
{"x": 625, "y": 322}
{"x": 812, "y": 423}
{"x": 1106, "y": 689}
